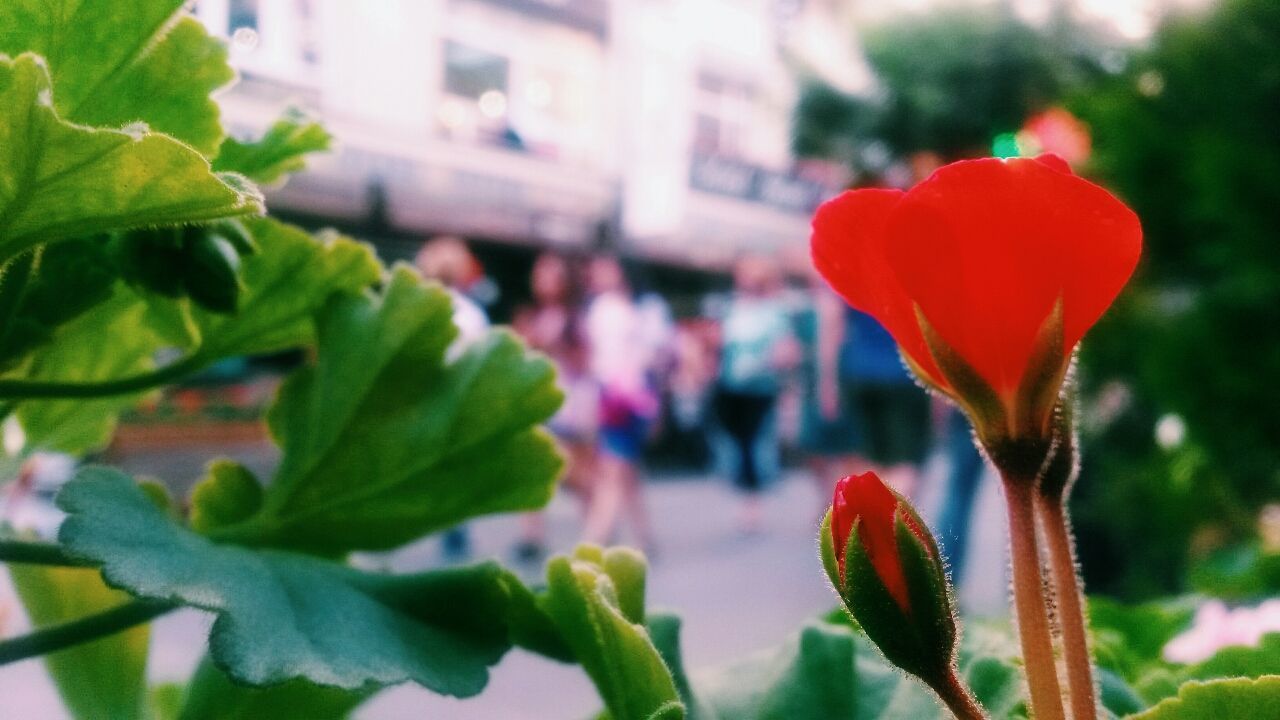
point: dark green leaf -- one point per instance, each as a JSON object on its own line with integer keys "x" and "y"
{"x": 283, "y": 616}
{"x": 385, "y": 441}
{"x": 211, "y": 695}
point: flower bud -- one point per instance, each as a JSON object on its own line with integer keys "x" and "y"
{"x": 885, "y": 566}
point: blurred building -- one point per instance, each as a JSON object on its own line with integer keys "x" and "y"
{"x": 659, "y": 127}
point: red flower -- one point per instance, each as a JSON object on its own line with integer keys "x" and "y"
{"x": 865, "y": 499}
{"x": 983, "y": 252}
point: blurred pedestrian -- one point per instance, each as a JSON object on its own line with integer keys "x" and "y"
{"x": 449, "y": 261}
{"x": 828, "y": 437}
{"x": 757, "y": 346}
{"x": 891, "y": 412}
{"x": 620, "y": 358}
{"x": 964, "y": 476}
{"x": 553, "y": 324}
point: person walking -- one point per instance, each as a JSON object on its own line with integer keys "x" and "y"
{"x": 620, "y": 360}
{"x": 757, "y": 346}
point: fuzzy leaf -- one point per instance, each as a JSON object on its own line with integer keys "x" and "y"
{"x": 628, "y": 672}
{"x": 105, "y": 678}
{"x": 152, "y": 64}
{"x": 1234, "y": 698}
{"x": 281, "y": 151}
{"x": 383, "y": 441}
{"x": 283, "y": 616}
{"x": 211, "y": 695}
{"x": 61, "y": 181}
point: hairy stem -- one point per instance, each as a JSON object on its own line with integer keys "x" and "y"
{"x": 1066, "y": 581}
{"x": 1030, "y": 602}
{"x": 75, "y": 632}
{"x": 24, "y": 389}
{"x": 959, "y": 698}
{"x": 38, "y": 553}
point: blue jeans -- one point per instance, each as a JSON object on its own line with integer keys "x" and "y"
{"x": 962, "y": 488}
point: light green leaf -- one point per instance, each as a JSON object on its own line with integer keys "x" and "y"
{"x": 615, "y": 652}
{"x": 103, "y": 679}
{"x": 211, "y": 695}
{"x": 280, "y": 152}
{"x": 384, "y": 441}
{"x": 1129, "y": 639}
{"x": 283, "y": 616}
{"x": 60, "y": 181}
{"x": 228, "y": 494}
{"x": 151, "y": 64}
{"x": 1235, "y": 698}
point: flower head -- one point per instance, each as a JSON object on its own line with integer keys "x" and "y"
{"x": 987, "y": 274}
{"x": 886, "y": 568}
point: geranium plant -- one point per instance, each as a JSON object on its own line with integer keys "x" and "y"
{"x": 135, "y": 251}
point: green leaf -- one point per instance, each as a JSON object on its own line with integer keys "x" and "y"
{"x": 284, "y": 284}
{"x": 1235, "y": 698}
{"x": 280, "y": 152}
{"x": 211, "y": 695}
{"x": 66, "y": 281}
{"x": 1247, "y": 661}
{"x": 228, "y": 494}
{"x": 61, "y": 181}
{"x": 664, "y": 631}
{"x": 811, "y": 675}
{"x": 582, "y": 600}
{"x": 384, "y": 441}
{"x": 283, "y": 616}
{"x": 151, "y": 64}
{"x": 114, "y": 339}
{"x": 1129, "y": 639}
{"x": 104, "y": 678}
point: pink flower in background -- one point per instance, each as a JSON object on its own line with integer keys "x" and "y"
{"x": 1216, "y": 627}
{"x": 1059, "y": 132}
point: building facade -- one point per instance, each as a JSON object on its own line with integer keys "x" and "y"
{"x": 659, "y": 128}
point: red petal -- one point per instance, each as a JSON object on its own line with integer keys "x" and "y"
{"x": 986, "y": 247}
{"x": 849, "y": 251}
{"x": 868, "y": 500}
{"x": 1054, "y": 161}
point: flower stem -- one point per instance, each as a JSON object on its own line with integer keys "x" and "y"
{"x": 958, "y": 697}
{"x": 1075, "y": 643}
{"x": 86, "y": 629}
{"x": 1029, "y": 601}
{"x": 38, "y": 553}
{"x": 27, "y": 389}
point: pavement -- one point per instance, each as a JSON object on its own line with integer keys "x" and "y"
{"x": 738, "y": 593}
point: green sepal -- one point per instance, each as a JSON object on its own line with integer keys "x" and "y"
{"x": 887, "y": 624}
{"x": 932, "y": 612}
{"x": 974, "y": 394}
{"x": 826, "y": 548}
{"x": 1042, "y": 380}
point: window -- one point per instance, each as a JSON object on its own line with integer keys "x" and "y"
{"x": 242, "y": 14}
{"x": 473, "y": 73}
{"x": 724, "y": 107}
